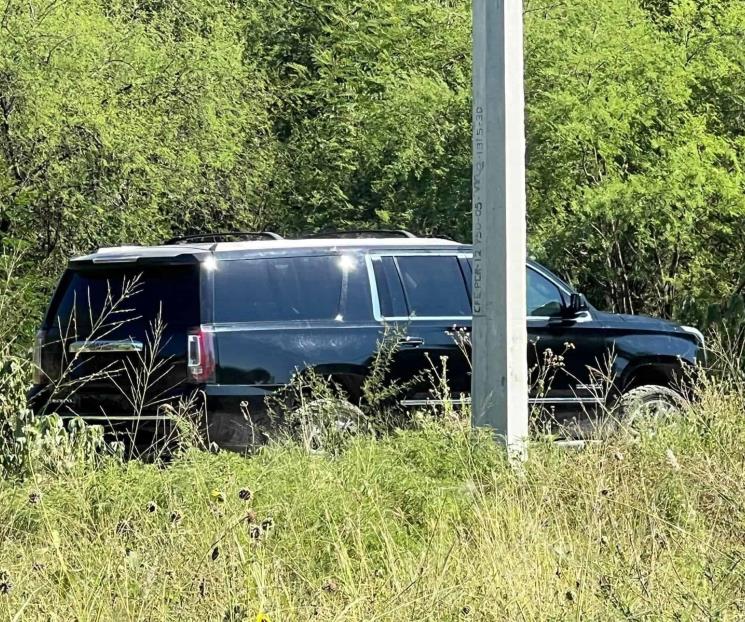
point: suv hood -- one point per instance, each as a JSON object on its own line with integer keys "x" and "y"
{"x": 641, "y": 322}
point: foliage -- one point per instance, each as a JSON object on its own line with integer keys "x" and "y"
{"x": 28, "y": 443}
{"x": 125, "y": 121}
{"x": 131, "y": 121}
{"x": 420, "y": 525}
{"x": 634, "y": 150}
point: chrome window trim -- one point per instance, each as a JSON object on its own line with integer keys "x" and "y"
{"x": 426, "y": 318}
{"x": 374, "y": 294}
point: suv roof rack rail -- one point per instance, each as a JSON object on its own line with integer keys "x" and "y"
{"x": 363, "y": 233}
{"x": 227, "y": 236}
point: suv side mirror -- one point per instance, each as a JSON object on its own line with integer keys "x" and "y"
{"x": 577, "y": 305}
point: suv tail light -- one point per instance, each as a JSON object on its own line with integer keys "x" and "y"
{"x": 201, "y": 355}
{"x": 39, "y": 377}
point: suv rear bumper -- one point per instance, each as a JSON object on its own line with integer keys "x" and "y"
{"x": 105, "y": 406}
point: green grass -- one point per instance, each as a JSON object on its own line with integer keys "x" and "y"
{"x": 423, "y": 525}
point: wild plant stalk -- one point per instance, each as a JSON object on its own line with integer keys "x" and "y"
{"x": 143, "y": 377}
{"x": 379, "y": 390}
{"x": 139, "y": 379}
{"x": 101, "y": 326}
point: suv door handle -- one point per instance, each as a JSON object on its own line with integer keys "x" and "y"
{"x": 410, "y": 342}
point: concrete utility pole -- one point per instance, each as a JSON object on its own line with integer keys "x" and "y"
{"x": 500, "y": 343}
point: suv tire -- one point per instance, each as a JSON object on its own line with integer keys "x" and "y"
{"x": 649, "y": 401}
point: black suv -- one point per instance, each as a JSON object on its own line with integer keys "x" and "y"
{"x": 132, "y": 328}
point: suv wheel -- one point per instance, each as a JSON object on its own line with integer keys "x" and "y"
{"x": 321, "y": 422}
{"x": 649, "y": 402}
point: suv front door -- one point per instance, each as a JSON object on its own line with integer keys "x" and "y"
{"x": 561, "y": 351}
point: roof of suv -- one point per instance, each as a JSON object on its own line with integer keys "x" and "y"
{"x": 122, "y": 254}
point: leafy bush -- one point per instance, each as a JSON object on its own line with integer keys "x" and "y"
{"x": 29, "y": 444}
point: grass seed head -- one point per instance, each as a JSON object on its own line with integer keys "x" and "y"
{"x": 5, "y": 583}
{"x": 672, "y": 460}
{"x": 123, "y": 528}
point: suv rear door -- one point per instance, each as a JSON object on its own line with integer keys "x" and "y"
{"x": 425, "y": 298}
{"x": 278, "y": 314}
{"x": 114, "y": 338}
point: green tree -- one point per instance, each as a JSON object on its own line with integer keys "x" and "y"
{"x": 635, "y": 188}
{"x": 131, "y": 120}
{"x": 372, "y": 113}
{"x": 122, "y": 122}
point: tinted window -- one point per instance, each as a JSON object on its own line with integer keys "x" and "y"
{"x": 390, "y": 292}
{"x": 291, "y": 288}
{"x": 544, "y": 298}
{"x": 434, "y": 286}
{"x": 124, "y": 301}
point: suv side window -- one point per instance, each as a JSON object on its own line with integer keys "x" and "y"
{"x": 544, "y": 298}
{"x": 281, "y": 289}
{"x": 434, "y": 286}
{"x": 390, "y": 291}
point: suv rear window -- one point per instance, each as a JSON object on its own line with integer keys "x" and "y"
{"x": 329, "y": 287}
{"x": 127, "y": 299}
